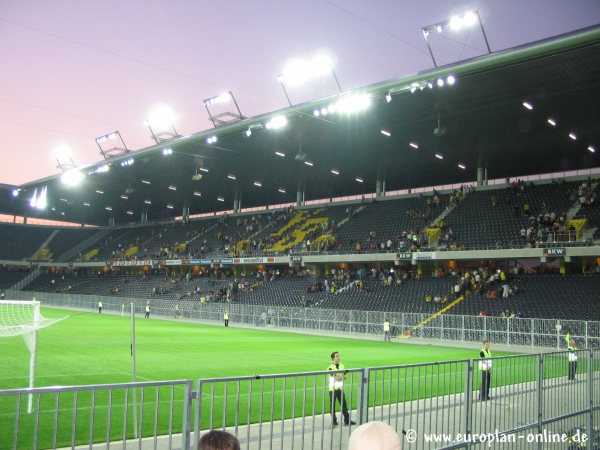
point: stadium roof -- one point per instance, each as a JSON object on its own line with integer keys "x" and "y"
{"x": 486, "y": 125}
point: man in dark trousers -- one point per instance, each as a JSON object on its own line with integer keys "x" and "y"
{"x": 147, "y": 315}
{"x": 485, "y": 366}
{"x": 226, "y": 318}
{"x": 336, "y": 390}
{"x": 572, "y": 359}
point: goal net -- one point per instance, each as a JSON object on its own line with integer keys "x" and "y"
{"x": 23, "y": 318}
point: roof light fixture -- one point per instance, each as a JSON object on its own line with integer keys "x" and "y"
{"x": 462, "y": 166}
{"x": 276, "y": 122}
{"x": 220, "y": 199}
{"x": 211, "y": 140}
{"x": 308, "y": 163}
{"x": 592, "y": 149}
{"x": 258, "y": 183}
{"x": 99, "y": 192}
{"x": 552, "y": 122}
{"x": 167, "y": 151}
{"x": 109, "y": 208}
{"x": 335, "y": 171}
{"x": 124, "y": 197}
{"x": 528, "y": 105}
{"x": 450, "y": 79}
{"x": 281, "y": 190}
{"x": 72, "y": 178}
{"x": 203, "y": 169}
{"x": 130, "y": 212}
{"x": 147, "y": 202}
{"x": 145, "y": 182}
{"x": 231, "y": 176}
{"x": 173, "y": 188}
{"x": 387, "y": 133}
{"x": 197, "y": 194}
{"x": 388, "y": 97}
{"x": 573, "y": 136}
{"x": 437, "y": 155}
{"x": 280, "y": 154}
{"x": 170, "y": 206}
{"x": 360, "y": 180}
{"x": 414, "y": 145}
{"x": 440, "y": 82}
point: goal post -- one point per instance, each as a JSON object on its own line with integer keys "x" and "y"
{"x": 23, "y": 318}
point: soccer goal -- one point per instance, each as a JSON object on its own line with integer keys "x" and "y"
{"x": 23, "y": 318}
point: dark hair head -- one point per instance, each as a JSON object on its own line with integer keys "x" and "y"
{"x": 333, "y": 354}
{"x": 218, "y": 440}
{"x": 486, "y": 341}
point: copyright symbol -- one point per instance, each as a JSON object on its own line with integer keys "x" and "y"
{"x": 411, "y": 436}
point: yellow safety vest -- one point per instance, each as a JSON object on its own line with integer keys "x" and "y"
{"x": 226, "y": 316}
{"x": 572, "y": 355}
{"x": 386, "y": 326}
{"x": 486, "y": 363}
{"x": 333, "y": 384}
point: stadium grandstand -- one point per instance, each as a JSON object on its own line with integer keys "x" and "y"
{"x": 469, "y": 202}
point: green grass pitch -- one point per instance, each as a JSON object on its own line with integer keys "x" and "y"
{"x": 94, "y": 348}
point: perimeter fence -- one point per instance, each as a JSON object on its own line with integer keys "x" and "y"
{"x": 514, "y": 331}
{"x": 535, "y": 401}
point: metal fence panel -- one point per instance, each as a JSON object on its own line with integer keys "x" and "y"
{"x": 118, "y": 413}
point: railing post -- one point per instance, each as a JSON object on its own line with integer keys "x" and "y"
{"x": 187, "y": 416}
{"x": 469, "y": 400}
{"x": 363, "y": 398}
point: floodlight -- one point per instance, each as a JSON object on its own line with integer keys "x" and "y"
{"x": 280, "y": 154}
{"x": 86, "y": 204}
{"x": 573, "y": 136}
{"x": 211, "y": 140}
{"x": 552, "y": 122}
{"x": 462, "y": 166}
{"x": 130, "y": 212}
{"x": 300, "y": 71}
{"x": 450, "y": 79}
{"x": 203, "y": 169}
{"x": 62, "y": 155}
{"x": 281, "y": 190}
{"x": 226, "y": 117}
{"x": 388, "y": 97}
{"x": 127, "y": 162}
{"x": 324, "y": 111}
{"x": 413, "y": 89}
{"x": 147, "y": 202}
{"x": 470, "y": 18}
{"x": 33, "y": 200}
{"x": 162, "y": 119}
{"x": 170, "y": 206}
{"x": 231, "y": 176}
{"x": 124, "y": 197}
{"x": 197, "y": 194}
{"x": 308, "y": 163}
{"x": 145, "y": 182}
{"x": 276, "y": 122}
{"x": 360, "y": 180}
{"x": 110, "y": 149}
{"x": 430, "y": 84}
{"x": 592, "y": 149}
{"x": 248, "y": 132}
{"x": 15, "y": 192}
{"x": 317, "y": 113}
{"x": 414, "y": 145}
{"x": 440, "y": 82}
{"x": 258, "y": 183}
{"x": 221, "y": 199}
{"x": 172, "y": 188}
{"x": 528, "y": 105}
{"x": 167, "y": 151}
{"x": 335, "y": 171}
{"x": 102, "y": 169}
{"x": 109, "y": 208}
{"x": 437, "y": 155}
{"x": 387, "y": 133}
{"x": 72, "y": 177}
{"x": 353, "y": 103}
{"x": 456, "y": 23}
{"x": 99, "y": 192}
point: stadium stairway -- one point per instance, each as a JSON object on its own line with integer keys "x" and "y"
{"x": 447, "y": 308}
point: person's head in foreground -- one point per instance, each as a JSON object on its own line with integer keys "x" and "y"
{"x": 374, "y": 436}
{"x": 218, "y": 440}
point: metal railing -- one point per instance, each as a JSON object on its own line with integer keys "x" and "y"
{"x": 512, "y": 331}
{"x": 532, "y": 401}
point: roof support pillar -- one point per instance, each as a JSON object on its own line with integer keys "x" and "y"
{"x": 237, "y": 202}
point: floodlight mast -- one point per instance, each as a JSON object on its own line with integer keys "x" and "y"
{"x": 64, "y": 166}
{"x": 441, "y": 25}
{"x": 226, "y": 117}
{"x": 163, "y": 136}
{"x": 115, "y": 150}
{"x": 281, "y": 79}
